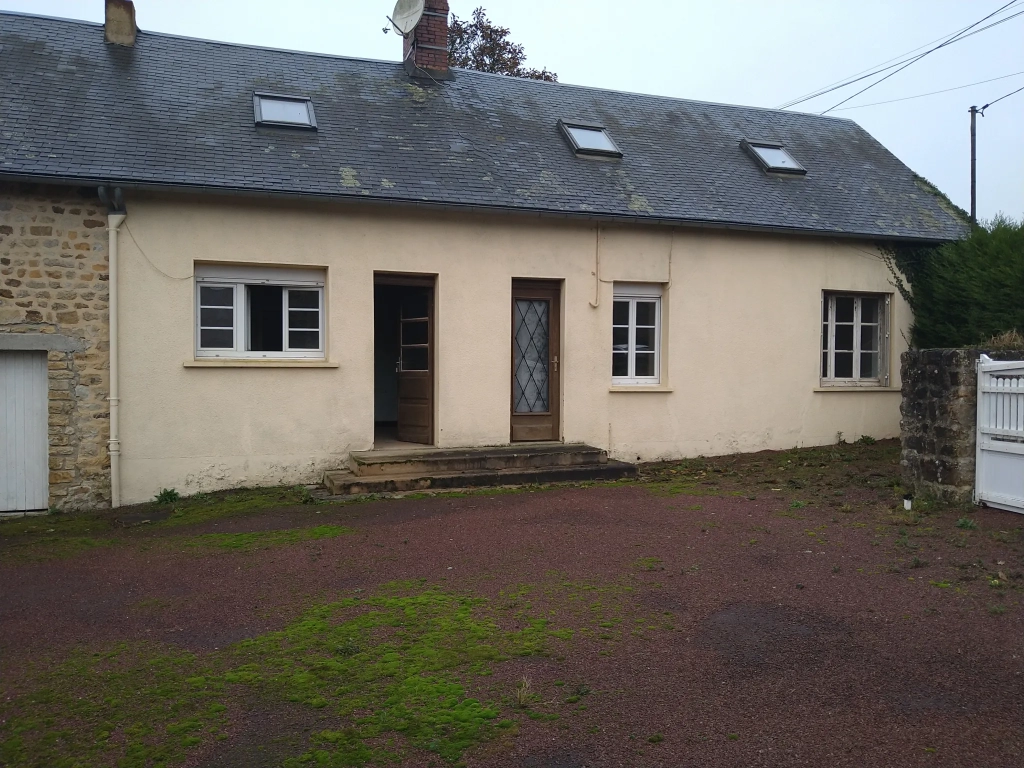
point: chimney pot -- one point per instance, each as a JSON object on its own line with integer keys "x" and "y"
{"x": 425, "y": 49}
{"x": 119, "y": 22}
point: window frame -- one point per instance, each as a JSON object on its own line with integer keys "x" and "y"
{"x": 633, "y": 294}
{"x": 579, "y": 149}
{"x": 241, "y": 323}
{"x": 827, "y": 320}
{"x": 257, "y": 108}
{"x": 751, "y": 146}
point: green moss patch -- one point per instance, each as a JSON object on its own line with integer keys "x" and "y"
{"x": 394, "y": 670}
{"x": 264, "y": 539}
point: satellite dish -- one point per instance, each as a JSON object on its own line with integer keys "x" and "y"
{"x": 406, "y": 16}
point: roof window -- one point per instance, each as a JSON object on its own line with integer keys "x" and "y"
{"x": 290, "y": 111}
{"x": 773, "y": 157}
{"x": 589, "y": 139}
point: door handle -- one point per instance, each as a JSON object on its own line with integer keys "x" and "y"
{"x": 398, "y": 366}
{"x": 554, "y": 361}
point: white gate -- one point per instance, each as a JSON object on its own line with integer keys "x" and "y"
{"x": 999, "y": 474}
{"x": 24, "y": 462}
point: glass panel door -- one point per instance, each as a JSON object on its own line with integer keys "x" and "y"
{"x": 530, "y": 340}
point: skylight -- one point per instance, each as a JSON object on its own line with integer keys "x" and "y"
{"x": 589, "y": 139}
{"x": 773, "y": 157}
{"x": 293, "y": 111}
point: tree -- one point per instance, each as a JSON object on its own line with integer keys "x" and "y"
{"x": 483, "y": 46}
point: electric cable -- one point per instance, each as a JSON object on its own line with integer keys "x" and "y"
{"x": 932, "y": 93}
{"x": 914, "y": 60}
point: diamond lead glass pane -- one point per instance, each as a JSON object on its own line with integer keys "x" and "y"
{"x": 776, "y": 157}
{"x": 591, "y": 138}
{"x": 530, "y": 356}
{"x": 284, "y": 111}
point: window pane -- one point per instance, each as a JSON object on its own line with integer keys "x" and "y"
{"x": 644, "y": 339}
{"x": 824, "y": 364}
{"x": 414, "y": 358}
{"x": 282, "y": 111}
{"x": 774, "y": 157}
{"x": 216, "y": 339}
{"x": 414, "y": 303}
{"x": 844, "y": 337}
{"x": 620, "y": 313}
{"x": 588, "y": 138}
{"x": 303, "y": 319}
{"x": 869, "y": 338}
{"x": 414, "y": 332}
{"x": 646, "y": 312}
{"x": 265, "y": 321}
{"x": 844, "y": 309}
{"x": 645, "y": 364}
{"x": 620, "y": 339}
{"x": 824, "y": 336}
{"x": 216, "y": 297}
{"x": 303, "y": 299}
{"x": 304, "y": 339}
{"x": 844, "y": 365}
{"x": 216, "y": 318}
{"x": 869, "y": 310}
{"x": 869, "y": 365}
{"x": 620, "y": 364}
{"x": 824, "y": 310}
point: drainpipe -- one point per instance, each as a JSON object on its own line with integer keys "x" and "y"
{"x": 114, "y": 221}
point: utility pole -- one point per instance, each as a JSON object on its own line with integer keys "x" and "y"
{"x": 974, "y": 165}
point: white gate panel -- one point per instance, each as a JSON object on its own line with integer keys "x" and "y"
{"x": 24, "y": 462}
{"x": 999, "y": 474}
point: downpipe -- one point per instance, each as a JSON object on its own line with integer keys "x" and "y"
{"x": 114, "y": 221}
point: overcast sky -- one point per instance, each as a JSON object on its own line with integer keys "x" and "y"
{"x": 734, "y": 51}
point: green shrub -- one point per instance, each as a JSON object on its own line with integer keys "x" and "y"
{"x": 967, "y": 292}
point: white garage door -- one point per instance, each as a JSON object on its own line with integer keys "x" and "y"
{"x": 24, "y": 466}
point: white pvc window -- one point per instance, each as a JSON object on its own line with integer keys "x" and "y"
{"x": 854, "y": 339}
{"x": 636, "y": 335}
{"x": 265, "y": 314}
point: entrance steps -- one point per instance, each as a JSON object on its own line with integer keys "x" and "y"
{"x": 421, "y": 469}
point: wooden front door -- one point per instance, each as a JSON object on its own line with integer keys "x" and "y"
{"x": 416, "y": 365}
{"x": 536, "y": 342}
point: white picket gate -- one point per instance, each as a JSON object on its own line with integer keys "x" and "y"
{"x": 999, "y": 474}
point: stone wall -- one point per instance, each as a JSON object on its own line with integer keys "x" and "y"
{"x": 939, "y": 420}
{"x": 53, "y": 297}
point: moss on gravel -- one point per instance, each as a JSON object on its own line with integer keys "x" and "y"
{"x": 254, "y": 540}
{"x": 394, "y": 668}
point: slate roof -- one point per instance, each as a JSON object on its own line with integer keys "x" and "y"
{"x": 176, "y": 111}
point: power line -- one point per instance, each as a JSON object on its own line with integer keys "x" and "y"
{"x": 1003, "y": 97}
{"x": 902, "y": 58}
{"x": 931, "y": 93}
{"x": 915, "y": 59}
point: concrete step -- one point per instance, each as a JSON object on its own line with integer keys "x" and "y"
{"x": 432, "y": 461}
{"x": 345, "y": 483}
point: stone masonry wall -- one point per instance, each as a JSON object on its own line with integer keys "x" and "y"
{"x": 53, "y": 296}
{"x": 939, "y": 420}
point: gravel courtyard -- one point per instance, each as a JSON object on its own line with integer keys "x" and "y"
{"x": 774, "y": 609}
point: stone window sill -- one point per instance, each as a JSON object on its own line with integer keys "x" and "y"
{"x": 640, "y": 388}
{"x": 857, "y": 389}
{"x": 258, "y": 363}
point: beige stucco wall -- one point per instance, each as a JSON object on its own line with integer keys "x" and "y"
{"x": 741, "y": 317}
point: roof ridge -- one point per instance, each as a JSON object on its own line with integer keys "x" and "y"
{"x": 470, "y": 72}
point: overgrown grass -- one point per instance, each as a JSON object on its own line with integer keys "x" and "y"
{"x": 393, "y": 668}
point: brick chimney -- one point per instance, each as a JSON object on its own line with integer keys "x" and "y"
{"x": 119, "y": 22}
{"x": 425, "y": 49}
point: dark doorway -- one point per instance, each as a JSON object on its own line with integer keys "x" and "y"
{"x": 536, "y": 343}
{"x": 403, "y": 314}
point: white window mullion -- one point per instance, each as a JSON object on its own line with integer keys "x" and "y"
{"x": 632, "y": 338}
{"x": 831, "y": 337}
{"x": 856, "y": 338}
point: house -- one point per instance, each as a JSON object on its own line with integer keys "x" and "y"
{"x": 225, "y": 265}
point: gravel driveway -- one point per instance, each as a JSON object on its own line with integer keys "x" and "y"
{"x": 777, "y": 609}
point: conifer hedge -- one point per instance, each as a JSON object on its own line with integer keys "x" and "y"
{"x": 964, "y": 293}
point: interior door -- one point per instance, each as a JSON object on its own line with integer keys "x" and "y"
{"x": 536, "y": 344}
{"x": 416, "y": 366}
